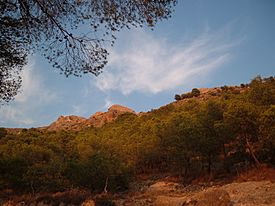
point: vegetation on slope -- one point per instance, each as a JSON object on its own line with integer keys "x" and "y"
{"x": 192, "y": 137}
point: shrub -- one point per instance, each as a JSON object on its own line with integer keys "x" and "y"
{"x": 3, "y": 132}
{"x": 187, "y": 95}
{"x": 195, "y": 92}
{"x": 177, "y": 97}
{"x": 224, "y": 88}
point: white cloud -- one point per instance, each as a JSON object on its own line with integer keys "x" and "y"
{"x": 34, "y": 95}
{"x": 15, "y": 115}
{"x": 150, "y": 64}
{"x": 33, "y": 87}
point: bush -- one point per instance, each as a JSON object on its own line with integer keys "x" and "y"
{"x": 187, "y": 95}
{"x": 224, "y": 88}
{"x": 177, "y": 97}
{"x": 195, "y": 92}
{"x": 3, "y": 132}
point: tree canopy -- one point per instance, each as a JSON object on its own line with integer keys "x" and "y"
{"x": 218, "y": 135}
{"x": 54, "y": 28}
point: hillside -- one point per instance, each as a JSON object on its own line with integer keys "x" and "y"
{"x": 77, "y": 123}
{"x": 206, "y": 135}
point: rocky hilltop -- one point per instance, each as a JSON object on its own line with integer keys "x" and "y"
{"x": 71, "y": 122}
{"x": 98, "y": 119}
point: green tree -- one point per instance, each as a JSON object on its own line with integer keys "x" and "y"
{"x": 226, "y": 136}
{"x": 179, "y": 137}
{"x": 241, "y": 117}
{"x": 210, "y": 142}
{"x": 267, "y": 133}
{"x": 262, "y": 91}
{"x": 101, "y": 171}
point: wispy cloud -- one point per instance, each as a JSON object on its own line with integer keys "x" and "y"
{"x": 35, "y": 94}
{"x": 33, "y": 87}
{"x": 107, "y": 104}
{"x": 15, "y": 115}
{"x": 150, "y": 64}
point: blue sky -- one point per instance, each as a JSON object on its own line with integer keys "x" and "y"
{"x": 206, "y": 43}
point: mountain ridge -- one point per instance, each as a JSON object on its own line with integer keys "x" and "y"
{"x": 98, "y": 119}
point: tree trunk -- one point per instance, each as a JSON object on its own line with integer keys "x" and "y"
{"x": 209, "y": 164}
{"x": 250, "y": 149}
{"x": 106, "y": 184}
{"x": 225, "y": 163}
{"x": 187, "y": 167}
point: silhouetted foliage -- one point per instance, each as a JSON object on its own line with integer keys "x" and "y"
{"x": 52, "y": 27}
{"x": 12, "y": 59}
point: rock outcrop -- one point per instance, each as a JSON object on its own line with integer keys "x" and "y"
{"x": 67, "y": 123}
{"x": 96, "y": 120}
{"x": 100, "y": 118}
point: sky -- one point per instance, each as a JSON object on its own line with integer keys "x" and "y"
{"x": 206, "y": 43}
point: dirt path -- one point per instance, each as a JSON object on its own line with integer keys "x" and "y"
{"x": 168, "y": 193}
{"x": 252, "y": 193}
